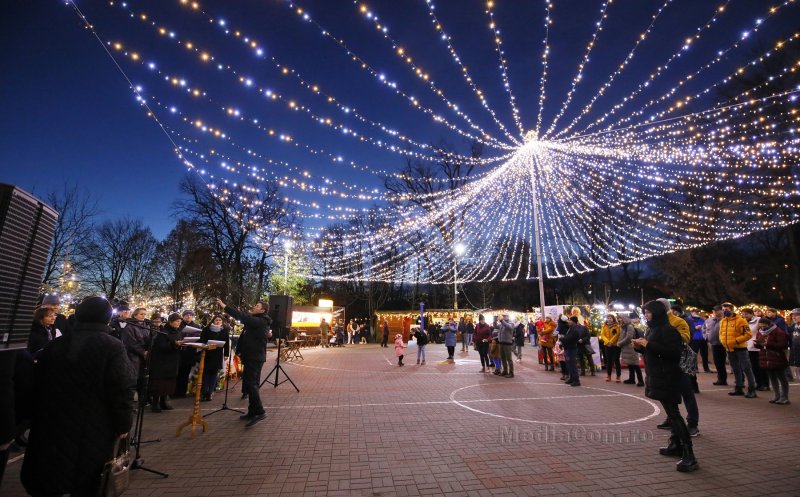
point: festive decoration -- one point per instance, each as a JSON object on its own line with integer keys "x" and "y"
{"x": 680, "y": 159}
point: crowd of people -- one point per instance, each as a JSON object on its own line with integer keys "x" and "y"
{"x": 762, "y": 349}
{"x": 79, "y": 380}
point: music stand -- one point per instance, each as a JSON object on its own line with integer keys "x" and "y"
{"x": 227, "y": 386}
{"x": 277, "y": 369}
{"x": 138, "y": 461}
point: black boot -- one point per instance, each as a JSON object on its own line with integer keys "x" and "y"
{"x": 674, "y": 448}
{"x": 737, "y": 391}
{"x": 688, "y": 463}
{"x": 751, "y": 393}
{"x": 165, "y": 405}
{"x": 155, "y": 404}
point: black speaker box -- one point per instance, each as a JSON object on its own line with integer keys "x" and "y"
{"x": 280, "y": 310}
{"x": 26, "y": 232}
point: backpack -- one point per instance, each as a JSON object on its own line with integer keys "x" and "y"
{"x": 688, "y": 361}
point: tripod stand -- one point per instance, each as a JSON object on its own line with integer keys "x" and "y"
{"x": 278, "y": 369}
{"x": 138, "y": 461}
{"x": 227, "y": 386}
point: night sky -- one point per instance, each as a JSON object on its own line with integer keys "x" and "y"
{"x": 70, "y": 117}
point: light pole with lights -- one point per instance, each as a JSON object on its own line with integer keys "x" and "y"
{"x": 287, "y": 247}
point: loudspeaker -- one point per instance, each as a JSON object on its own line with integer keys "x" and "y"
{"x": 26, "y": 232}
{"x": 280, "y": 310}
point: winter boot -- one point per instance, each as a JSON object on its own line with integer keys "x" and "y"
{"x": 165, "y": 405}
{"x": 673, "y": 449}
{"x": 688, "y": 463}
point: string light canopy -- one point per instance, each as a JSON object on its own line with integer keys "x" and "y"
{"x": 677, "y": 143}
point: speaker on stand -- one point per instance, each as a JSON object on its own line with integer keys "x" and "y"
{"x": 280, "y": 311}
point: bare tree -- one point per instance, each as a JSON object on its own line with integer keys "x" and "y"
{"x": 76, "y": 212}
{"x": 227, "y": 220}
{"x": 113, "y": 247}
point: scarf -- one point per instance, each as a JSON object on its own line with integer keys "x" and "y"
{"x": 215, "y": 328}
{"x": 767, "y": 331}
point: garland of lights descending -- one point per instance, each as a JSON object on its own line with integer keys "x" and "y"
{"x": 611, "y": 185}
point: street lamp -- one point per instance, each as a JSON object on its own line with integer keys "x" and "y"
{"x": 459, "y": 250}
{"x": 287, "y": 247}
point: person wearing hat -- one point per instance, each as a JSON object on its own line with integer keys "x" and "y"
{"x": 569, "y": 343}
{"x": 711, "y": 334}
{"x": 399, "y": 348}
{"x": 734, "y": 332}
{"x": 83, "y": 394}
{"x": 120, "y": 320}
{"x": 698, "y": 342}
{"x": 662, "y": 346}
{"x": 771, "y": 342}
{"x": 188, "y": 354}
{"x": 164, "y": 361}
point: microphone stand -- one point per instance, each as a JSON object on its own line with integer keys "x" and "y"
{"x": 227, "y": 386}
{"x": 138, "y": 461}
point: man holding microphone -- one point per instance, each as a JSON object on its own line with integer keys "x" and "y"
{"x": 252, "y": 349}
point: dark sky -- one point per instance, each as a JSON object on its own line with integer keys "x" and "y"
{"x": 70, "y": 117}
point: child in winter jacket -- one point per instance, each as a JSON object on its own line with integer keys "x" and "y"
{"x": 422, "y": 340}
{"x": 494, "y": 353}
{"x": 399, "y": 348}
{"x": 558, "y": 350}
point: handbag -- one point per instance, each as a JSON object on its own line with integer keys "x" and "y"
{"x": 116, "y": 474}
{"x": 688, "y": 361}
{"x": 588, "y": 348}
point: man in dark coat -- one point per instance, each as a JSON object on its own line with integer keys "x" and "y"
{"x": 252, "y": 349}
{"x": 662, "y": 347}
{"x": 569, "y": 342}
{"x": 84, "y": 386}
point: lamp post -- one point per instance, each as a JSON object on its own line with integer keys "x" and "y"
{"x": 458, "y": 250}
{"x": 287, "y": 247}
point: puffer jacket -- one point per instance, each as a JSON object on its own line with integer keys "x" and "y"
{"x": 734, "y": 332}
{"x": 546, "y": 335}
{"x": 681, "y": 325}
{"x": 627, "y": 354}
{"x": 610, "y": 335}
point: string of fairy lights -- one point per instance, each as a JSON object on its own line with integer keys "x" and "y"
{"x": 668, "y": 165}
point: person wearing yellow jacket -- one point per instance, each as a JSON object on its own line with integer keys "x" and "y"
{"x": 734, "y": 332}
{"x": 610, "y": 335}
{"x": 546, "y": 342}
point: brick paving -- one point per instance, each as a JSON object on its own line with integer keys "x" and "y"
{"x": 361, "y": 426}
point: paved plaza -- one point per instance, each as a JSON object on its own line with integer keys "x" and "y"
{"x": 361, "y": 426}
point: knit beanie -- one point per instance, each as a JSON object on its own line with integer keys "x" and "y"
{"x": 93, "y": 310}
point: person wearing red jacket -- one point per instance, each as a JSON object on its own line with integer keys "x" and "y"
{"x": 482, "y": 337}
{"x": 772, "y": 343}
